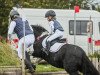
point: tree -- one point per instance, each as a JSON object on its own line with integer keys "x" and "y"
{"x": 4, "y": 12}
{"x": 5, "y": 7}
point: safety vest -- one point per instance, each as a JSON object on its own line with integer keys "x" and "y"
{"x": 57, "y": 26}
{"x": 19, "y": 28}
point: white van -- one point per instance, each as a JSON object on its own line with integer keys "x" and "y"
{"x": 66, "y": 18}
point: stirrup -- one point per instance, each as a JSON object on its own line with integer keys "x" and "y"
{"x": 46, "y": 51}
{"x": 48, "y": 45}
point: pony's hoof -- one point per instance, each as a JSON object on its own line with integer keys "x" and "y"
{"x": 32, "y": 72}
{"x": 34, "y": 66}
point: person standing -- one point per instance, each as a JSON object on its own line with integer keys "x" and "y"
{"x": 16, "y": 25}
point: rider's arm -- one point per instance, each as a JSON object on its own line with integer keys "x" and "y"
{"x": 11, "y": 29}
{"x": 51, "y": 26}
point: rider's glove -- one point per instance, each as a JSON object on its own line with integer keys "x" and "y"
{"x": 9, "y": 37}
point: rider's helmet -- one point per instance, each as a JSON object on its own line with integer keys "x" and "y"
{"x": 13, "y": 14}
{"x": 50, "y": 13}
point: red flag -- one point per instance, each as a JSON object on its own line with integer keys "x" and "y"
{"x": 76, "y": 8}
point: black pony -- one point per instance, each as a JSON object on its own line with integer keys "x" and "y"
{"x": 70, "y": 57}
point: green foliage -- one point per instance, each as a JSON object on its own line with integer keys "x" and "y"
{"x": 5, "y": 7}
{"x": 95, "y": 55}
{"x": 61, "y": 4}
{"x": 8, "y": 57}
{"x": 98, "y": 8}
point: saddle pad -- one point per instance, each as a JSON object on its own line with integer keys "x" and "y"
{"x": 54, "y": 48}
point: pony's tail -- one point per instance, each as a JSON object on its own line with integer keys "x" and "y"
{"x": 87, "y": 66}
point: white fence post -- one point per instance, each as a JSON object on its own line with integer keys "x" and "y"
{"x": 89, "y": 34}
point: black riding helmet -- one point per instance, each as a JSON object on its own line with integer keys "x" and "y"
{"x": 50, "y": 13}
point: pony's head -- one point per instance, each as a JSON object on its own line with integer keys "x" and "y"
{"x": 38, "y": 30}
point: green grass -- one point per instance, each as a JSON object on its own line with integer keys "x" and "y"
{"x": 47, "y": 68}
{"x": 95, "y": 55}
{"x": 8, "y": 56}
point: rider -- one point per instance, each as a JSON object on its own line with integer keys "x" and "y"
{"x": 56, "y": 28}
{"x": 16, "y": 26}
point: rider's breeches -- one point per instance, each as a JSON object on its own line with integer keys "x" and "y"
{"x": 29, "y": 40}
{"x": 57, "y": 34}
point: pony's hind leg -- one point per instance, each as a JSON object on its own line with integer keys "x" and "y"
{"x": 71, "y": 68}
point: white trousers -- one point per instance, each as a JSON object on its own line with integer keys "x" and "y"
{"x": 29, "y": 40}
{"x": 57, "y": 34}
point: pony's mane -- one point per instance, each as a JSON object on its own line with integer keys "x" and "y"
{"x": 39, "y": 28}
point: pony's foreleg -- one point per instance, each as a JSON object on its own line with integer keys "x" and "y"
{"x": 74, "y": 73}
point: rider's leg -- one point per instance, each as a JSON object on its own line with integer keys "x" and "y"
{"x": 54, "y": 36}
{"x": 19, "y": 49}
{"x": 27, "y": 62}
{"x": 29, "y": 39}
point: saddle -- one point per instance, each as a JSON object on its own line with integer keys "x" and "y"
{"x": 52, "y": 46}
{"x": 63, "y": 40}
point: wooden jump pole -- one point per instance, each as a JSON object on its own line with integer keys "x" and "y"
{"x": 23, "y": 46}
{"x": 23, "y": 50}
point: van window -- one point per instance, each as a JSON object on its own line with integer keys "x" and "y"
{"x": 81, "y": 27}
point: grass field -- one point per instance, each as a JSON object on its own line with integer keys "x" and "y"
{"x": 47, "y": 68}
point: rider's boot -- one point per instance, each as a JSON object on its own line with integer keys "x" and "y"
{"x": 48, "y": 47}
{"x": 29, "y": 64}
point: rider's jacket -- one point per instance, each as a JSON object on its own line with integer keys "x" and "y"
{"x": 19, "y": 28}
{"x": 55, "y": 25}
